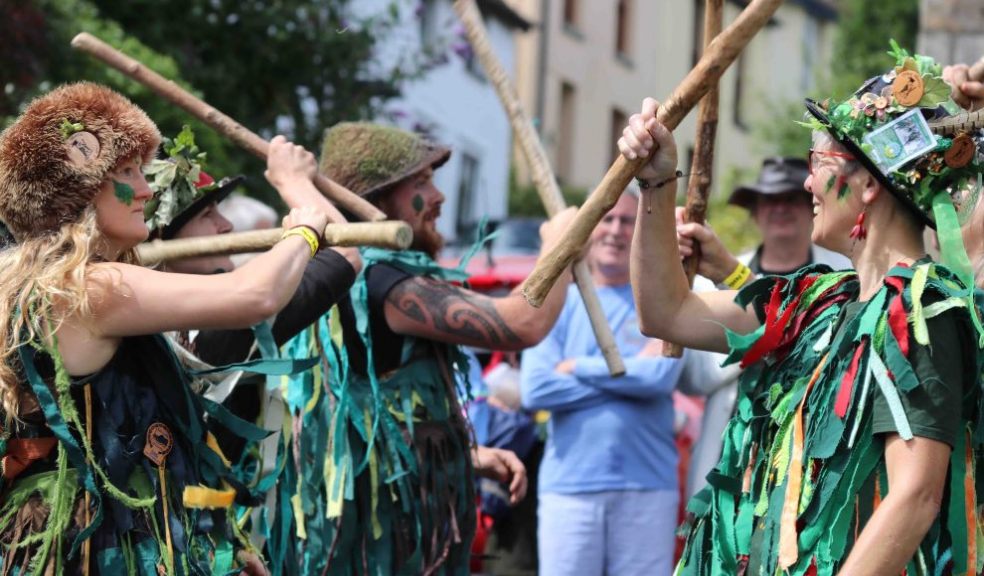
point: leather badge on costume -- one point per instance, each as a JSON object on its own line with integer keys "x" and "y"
{"x": 83, "y": 148}
{"x": 159, "y": 443}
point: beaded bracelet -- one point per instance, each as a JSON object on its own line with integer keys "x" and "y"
{"x": 648, "y": 186}
{"x": 738, "y": 277}
{"x": 307, "y": 234}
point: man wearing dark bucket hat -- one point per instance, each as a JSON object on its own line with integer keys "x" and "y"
{"x": 855, "y": 443}
{"x": 390, "y": 447}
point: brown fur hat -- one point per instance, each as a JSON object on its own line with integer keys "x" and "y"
{"x": 56, "y": 155}
{"x": 367, "y": 158}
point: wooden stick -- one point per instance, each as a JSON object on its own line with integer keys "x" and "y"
{"x": 543, "y": 177}
{"x": 221, "y": 123}
{"x": 702, "y": 166}
{"x": 718, "y": 56}
{"x": 395, "y": 234}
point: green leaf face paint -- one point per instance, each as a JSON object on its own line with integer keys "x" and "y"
{"x": 842, "y": 192}
{"x": 124, "y": 192}
{"x": 418, "y": 203}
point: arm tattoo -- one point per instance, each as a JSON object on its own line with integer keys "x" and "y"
{"x": 452, "y": 311}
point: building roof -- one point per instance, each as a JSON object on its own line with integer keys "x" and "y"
{"x": 500, "y": 10}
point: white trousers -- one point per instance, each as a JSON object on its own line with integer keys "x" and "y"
{"x": 623, "y": 533}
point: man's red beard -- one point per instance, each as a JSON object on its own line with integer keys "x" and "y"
{"x": 428, "y": 240}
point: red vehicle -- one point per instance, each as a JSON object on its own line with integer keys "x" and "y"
{"x": 505, "y": 261}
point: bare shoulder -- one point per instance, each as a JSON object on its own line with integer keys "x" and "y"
{"x": 82, "y": 350}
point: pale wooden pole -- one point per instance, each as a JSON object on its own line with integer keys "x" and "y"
{"x": 699, "y": 186}
{"x": 543, "y": 177}
{"x": 395, "y": 235}
{"x": 221, "y": 123}
{"x": 718, "y": 56}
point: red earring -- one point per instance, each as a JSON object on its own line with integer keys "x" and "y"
{"x": 859, "y": 232}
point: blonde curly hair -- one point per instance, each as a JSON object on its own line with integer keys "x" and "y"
{"x": 43, "y": 283}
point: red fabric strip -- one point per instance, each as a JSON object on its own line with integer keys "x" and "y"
{"x": 898, "y": 320}
{"x": 847, "y": 384}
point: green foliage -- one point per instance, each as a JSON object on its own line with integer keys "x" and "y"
{"x": 525, "y": 202}
{"x": 732, "y": 224}
{"x": 861, "y": 45}
{"x": 782, "y": 134}
{"x": 290, "y": 66}
{"x": 52, "y": 61}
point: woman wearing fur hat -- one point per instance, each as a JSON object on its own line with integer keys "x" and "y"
{"x": 107, "y": 465}
{"x": 854, "y": 443}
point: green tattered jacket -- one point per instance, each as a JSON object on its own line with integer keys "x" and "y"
{"x": 803, "y": 464}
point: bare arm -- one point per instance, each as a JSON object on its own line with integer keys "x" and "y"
{"x": 917, "y": 472}
{"x": 132, "y": 300}
{"x": 667, "y": 308}
{"x": 436, "y": 310}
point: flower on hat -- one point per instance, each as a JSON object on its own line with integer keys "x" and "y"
{"x": 176, "y": 181}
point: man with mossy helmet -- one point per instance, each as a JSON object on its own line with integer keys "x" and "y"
{"x": 391, "y": 447}
{"x": 853, "y": 448}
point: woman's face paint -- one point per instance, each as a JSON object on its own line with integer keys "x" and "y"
{"x": 840, "y": 184}
{"x": 418, "y": 203}
{"x": 124, "y": 192}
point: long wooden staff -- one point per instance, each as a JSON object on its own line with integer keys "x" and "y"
{"x": 395, "y": 235}
{"x": 221, "y": 123}
{"x": 718, "y": 56}
{"x": 702, "y": 166}
{"x": 543, "y": 178}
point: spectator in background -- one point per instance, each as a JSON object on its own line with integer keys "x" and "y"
{"x": 608, "y": 480}
{"x": 783, "y": 213}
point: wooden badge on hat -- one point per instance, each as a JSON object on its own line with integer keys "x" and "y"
{"x": 908, "y": 88}
{"x": 960, "y": 152}
{"x": 83, "y": 148}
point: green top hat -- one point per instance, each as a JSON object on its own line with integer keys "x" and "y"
{"x": 904, "y": 128}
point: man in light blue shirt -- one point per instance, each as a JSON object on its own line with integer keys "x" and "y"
{"x": 608, "y": 481}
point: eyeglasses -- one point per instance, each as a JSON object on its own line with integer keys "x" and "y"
{"x": 811, "y": 158}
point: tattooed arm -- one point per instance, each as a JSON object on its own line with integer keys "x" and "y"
{"x": 437, "y": 310}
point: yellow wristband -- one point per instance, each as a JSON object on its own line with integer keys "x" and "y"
{"x": 307, "y": 234}
{"x": 737, "y": 279}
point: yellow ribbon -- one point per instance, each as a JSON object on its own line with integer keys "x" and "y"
{"x": 788, "y": 546}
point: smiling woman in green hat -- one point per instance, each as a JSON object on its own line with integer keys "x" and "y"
{"x": 853, "y": 447}
{"x": 107, "y": 466}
